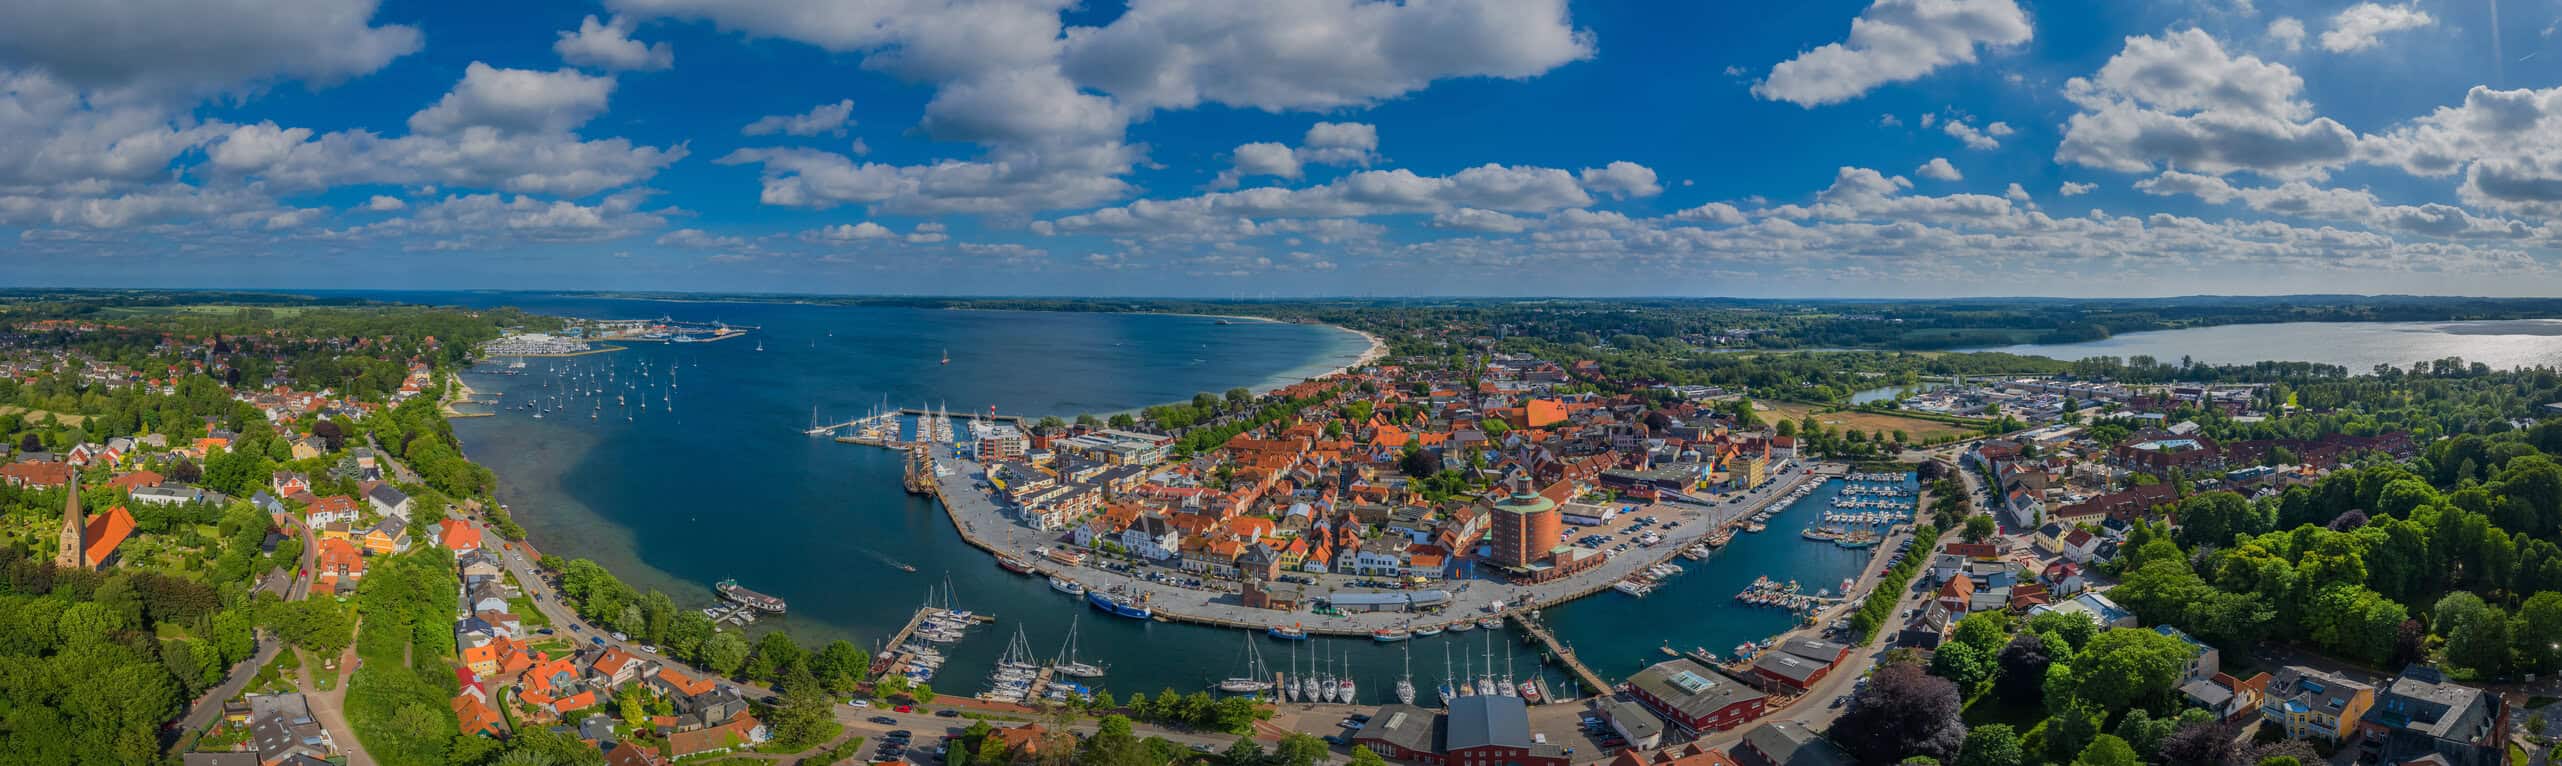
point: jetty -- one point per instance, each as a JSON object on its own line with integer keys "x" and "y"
{"x": 889, "y": 659}
{"x": 1565, "y": 655}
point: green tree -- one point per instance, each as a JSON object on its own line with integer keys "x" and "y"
{"x": 1244, "y": 752}
{"x": 2107, "y": 750}
{"x": 2126, "y": 667}
{"x": 1299, "y": 749}
{"x": 725, "y": 653}
{"x": 2477, "y": 633}
{"x": 1992, "y": 744}
{"x": 1361, "y": 756}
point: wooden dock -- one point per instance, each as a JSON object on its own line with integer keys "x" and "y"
{"x": 892, "y": 654}
{"x": 1584, "y": 674}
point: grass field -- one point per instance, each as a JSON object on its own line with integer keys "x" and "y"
{"x": 68, "y": 420}
{"x": 1915, "y": 428}
{"x": 201, "y": 309}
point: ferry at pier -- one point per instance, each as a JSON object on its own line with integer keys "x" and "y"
{"x": 729, "y": 589}
{"x": 1118, "y": 606}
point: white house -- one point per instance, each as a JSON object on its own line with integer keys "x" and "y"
{"x": 1153, "y": 537}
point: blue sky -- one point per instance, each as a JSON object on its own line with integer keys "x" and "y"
{"x": 1287, "y": 147}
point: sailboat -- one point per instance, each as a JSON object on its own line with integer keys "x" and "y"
{"x": 1253, "y": 680}
{"x": 947, "y": 356}
{"x": 1405, "y": 683}
{"x": 1485, "y": 681}
{"x": 1467, "y": 688}
{"x": 1448, "y": 692}
{"x": 1308, "y": 683}
{"x": 1067, "y": 664}
{"x": 1348, "y": 693}
{"x": 1289, "y": 683}
{"x": 1509, "y": 690}
{"x": 1326, "y": 687}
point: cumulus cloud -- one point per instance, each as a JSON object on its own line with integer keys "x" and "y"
{"x": 185, "y": 47}
{"x": 2181, "y": 101}
{"x": 1326, "y": 143}
{"x": 1938, "y": 169}
{"x": 2287, "y": 33}
{"x": 1714, "y": 212}
{"x": 477, "y": 157}
{"x": 479, "y": 219}
{"x": 384, "y": 203}
{"x": 2357, "y": 28}
{"x": 1473, "y": 219}
{"x": 850, "y": 232}
{"x": 516, "y": 100}
{"x": 609, "y": 45}
{"x": 824, "y": 119}
{"x": 1895, "y": 41}
{"x": 2076, "y": 189}
{"x": 1987, "y": 139}
{"x": 1315, "y": 54}
{"x": 1622, "y": 179}
{"x": 2507, "y": 144}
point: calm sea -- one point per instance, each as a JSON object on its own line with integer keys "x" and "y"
{"x": 2359, "y": 346}
{"x": 715, "y": 479}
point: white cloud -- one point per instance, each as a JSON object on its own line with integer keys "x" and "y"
{"x": 482, "y": 220}
{"x": 1340, "y": 143}
{"x": 1473, "y": 219}
{"x": 384, "y": 203}
{"x": 1265, "y": 158}
{"x": 192, "y": 47}
{"x": 827, "y": 119}
{"x": 1326, "y": 143}
{"x": 2076, "y": 189}
{"x": 1314, "y": 54}
{"x": 1895, "y": 41}
{"x": 2356, "y": 29}
{"x": 850, "y": 232}
{"x": 1008, "y": 182}
{"x": 700, "y": 239}
{"x": 2016, "y": 193}
{"x": 516, "y": 100}
{"x": 2287, "y": 33}
{"x": 927, "y": 233}
{"x": 1938, "y": 169}
{"x": 2181, "y": 101}
{"x": 475, "y": 157}
{"x": 2507, "y": 144}
{"x": 1622, "y": 179}
{"x": 1986, "y": 139}
{"x": 609, "y": 45}
{"x": 1714, "y": 212}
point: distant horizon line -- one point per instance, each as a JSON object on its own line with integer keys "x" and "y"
{"x": 1276, "y": 300}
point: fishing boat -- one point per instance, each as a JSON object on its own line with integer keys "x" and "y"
{"x": 1069, "y": 587}
{"x": 1529, "y": 692}
{"x": 1462, "y": 626}
{"x": 1287, "y": 632}
{"x": 1067, "y": 664}
{"x": 1427, "y": 631}
{"x": 1390, "y": 635}
{"x": 729, "y": 589}
{"x": 1491, "y": 623}
{"x": 1119, "y": 606}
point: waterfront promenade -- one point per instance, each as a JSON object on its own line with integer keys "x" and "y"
{"x": 983, "y": 523}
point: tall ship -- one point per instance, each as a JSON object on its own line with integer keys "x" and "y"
{"x": 730, "y": 589}
{"x": 1119, "y": 606}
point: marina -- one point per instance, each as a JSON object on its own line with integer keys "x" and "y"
{"x": 827, "y": 512}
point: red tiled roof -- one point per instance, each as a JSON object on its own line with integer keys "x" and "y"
{"x": 107, "y": 531}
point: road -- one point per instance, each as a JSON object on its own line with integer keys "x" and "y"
{"x": 202, "y": 711}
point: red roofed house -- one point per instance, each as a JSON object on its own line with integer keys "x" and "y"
{"x": 739, "y": 732}
{"x": 36, "y": 474}
{"x": 459, "y": 536}
{"x": 136, "y": 480}
{"x": 339, "y": 564}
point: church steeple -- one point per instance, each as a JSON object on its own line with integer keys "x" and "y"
{"x": 75, "y": 531}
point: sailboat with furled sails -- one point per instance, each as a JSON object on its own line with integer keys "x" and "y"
{"x": 1067, "y": 664}
{"x": 1255, "y": 680}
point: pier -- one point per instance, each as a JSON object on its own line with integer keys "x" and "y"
{"x": 1565, "y": 655}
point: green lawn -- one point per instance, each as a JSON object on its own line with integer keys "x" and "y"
{"x": 531, "y": 617}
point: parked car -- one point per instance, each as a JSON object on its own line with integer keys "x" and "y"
{"x": 883, "y": 720}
